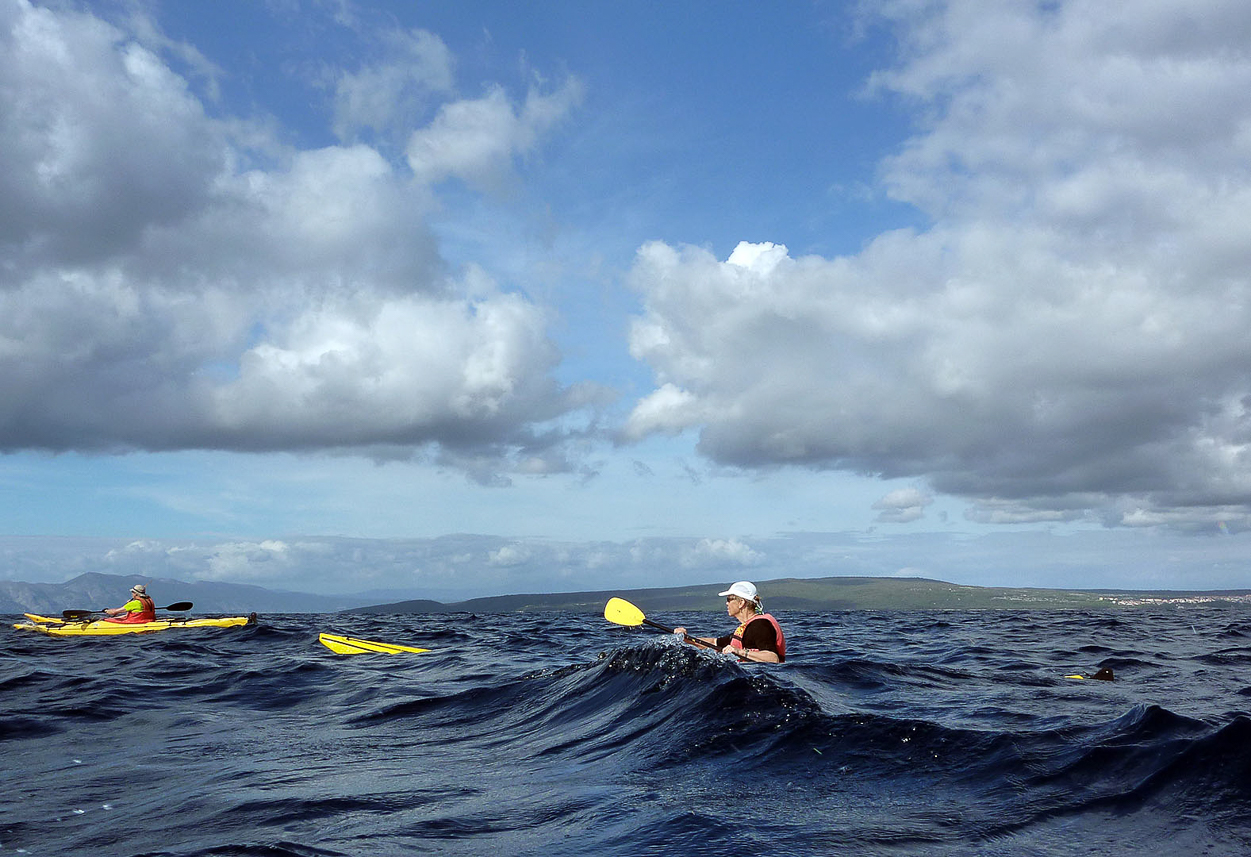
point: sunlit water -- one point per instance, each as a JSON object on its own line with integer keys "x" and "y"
{"x": 945, "y": 733}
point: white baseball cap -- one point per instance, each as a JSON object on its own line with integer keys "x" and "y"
{"x": 743, "y": 589}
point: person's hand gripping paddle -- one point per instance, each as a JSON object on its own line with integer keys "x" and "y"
{"x": 622, "y": 612}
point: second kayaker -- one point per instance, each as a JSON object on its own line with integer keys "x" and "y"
{"x": 758, "y": 637}
{"x": 140, "y": 608}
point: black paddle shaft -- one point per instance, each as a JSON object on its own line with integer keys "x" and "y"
{"x": 83, "y": 614}
{"x": 696, "y": 640}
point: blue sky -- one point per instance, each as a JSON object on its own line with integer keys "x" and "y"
{"x": 445, "y": 300}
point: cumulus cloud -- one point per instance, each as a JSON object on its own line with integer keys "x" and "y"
{"x": 720, "y": 552}
{"x": 446, "y": 568}
{"x": 241, "y": 561}
{"x": 903, "y": 506}
{"x": 388, "y": 95}
{"x": 270, "y": 561}
{"x": 100, "y": 140}
{"x": 476, "y": 141}
{"x": 173, "y": 279}
{"x": 508, "y": 555}
{"x": 669, "y": 410}
{"x": 1067, "y": 339}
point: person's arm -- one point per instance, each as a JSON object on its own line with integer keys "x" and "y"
{"x": 711, "y": 641}
{"x": 760, "y": 656}
{"x": 760, "y": 643}
{"x": 128, "y": 607}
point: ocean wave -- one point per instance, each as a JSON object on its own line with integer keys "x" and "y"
{"x": 556, "y": 735}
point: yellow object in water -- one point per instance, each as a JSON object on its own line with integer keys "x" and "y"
{"x": 99, "y": 628}
{"x": 353, "y": 646}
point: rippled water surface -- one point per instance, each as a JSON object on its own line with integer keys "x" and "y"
{"x": 912, "y": 733}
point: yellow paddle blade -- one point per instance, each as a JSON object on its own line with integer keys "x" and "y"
{"x": 353, "y": 646}
{"x": 622, "y": 612}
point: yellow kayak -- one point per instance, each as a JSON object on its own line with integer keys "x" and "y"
{"x": 85, "y": 628}
{"x": 353, "y": 646}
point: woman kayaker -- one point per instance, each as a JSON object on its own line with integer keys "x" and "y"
{"x": 140, "y": 608}
{"x": 758, "y": 637}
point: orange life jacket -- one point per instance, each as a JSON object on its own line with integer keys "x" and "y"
{"x": 737, "y": 641}
{"x": 145, "y": 614}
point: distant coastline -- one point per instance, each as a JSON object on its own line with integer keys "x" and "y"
{"x": 94, "y": 590}
{"x": 1181, "y": 600}
{"x": 832, "y": 593}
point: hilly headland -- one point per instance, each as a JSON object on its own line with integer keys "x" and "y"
{"x": 95, "y": 590}
{"x": 830, "y": 593}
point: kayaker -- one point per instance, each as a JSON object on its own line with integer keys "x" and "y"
{"x": 758, "y": 636}
{"x": 140, "y": 608}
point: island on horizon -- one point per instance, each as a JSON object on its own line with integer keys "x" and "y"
{"x": 823, "y": 594}
{"x": 828, "y": 594}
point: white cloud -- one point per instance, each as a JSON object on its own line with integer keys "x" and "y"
{"x": 390, "y": 95}
{"x": 270, "y": 561}
{"x": 668, "y": 410}
{"x": 509, "y": 555}
{"x": 243, "y": 562}
{"x": 175, "y": 280}
{"x": 760, "y": 259}
{"x": 99, "y": 139}
{"x": 476, "y": 140}
{"x": 1068, "y": 336}
{"x": 720, "y": 552}
{"x": 903, "y": 506}
{"x": 394, "y": 371}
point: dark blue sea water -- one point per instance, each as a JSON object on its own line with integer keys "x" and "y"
{"x": 945, "y": 733}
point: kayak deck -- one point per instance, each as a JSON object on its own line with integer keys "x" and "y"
{"x": 97, "y": 628}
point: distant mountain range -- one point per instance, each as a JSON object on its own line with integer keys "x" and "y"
{"x": 94, "y": 591}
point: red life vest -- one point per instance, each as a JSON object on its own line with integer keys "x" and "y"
{"x": 737, "y": 641}
{"x": 146, "y": 614}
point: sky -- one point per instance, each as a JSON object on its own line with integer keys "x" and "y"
{"x": 443, "y": 300}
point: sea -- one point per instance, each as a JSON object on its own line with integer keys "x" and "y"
{"x": 548, "y": 734}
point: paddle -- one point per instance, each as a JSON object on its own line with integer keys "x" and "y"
{"x": 83, "y": 614}
{"x": 341, "y": 645}
{"x": 622, "y": 612}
